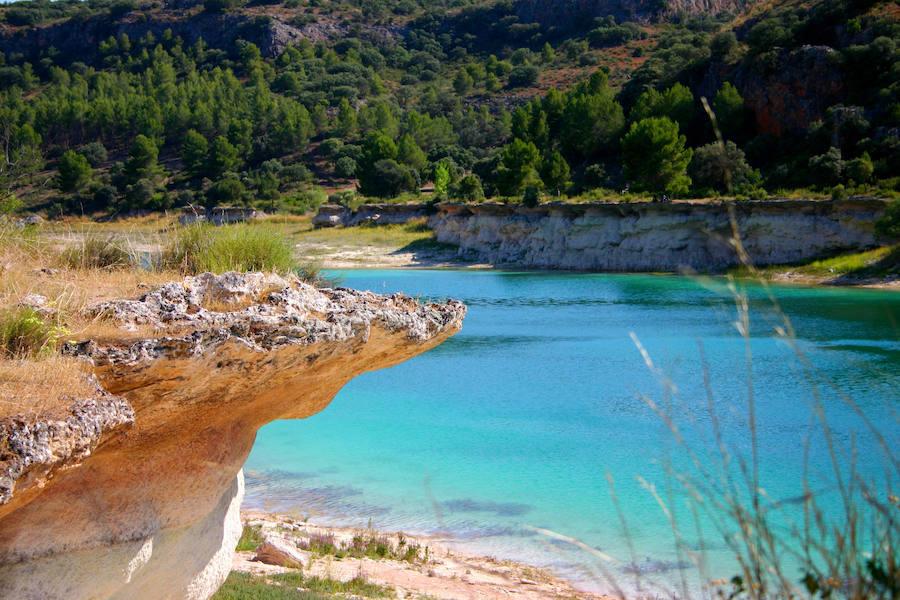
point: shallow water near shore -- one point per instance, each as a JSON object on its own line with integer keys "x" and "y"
{"x": 512, "y": 426}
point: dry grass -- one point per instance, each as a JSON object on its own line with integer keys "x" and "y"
{"x": 33, "y": 387}
{"x": 46, "y": 381}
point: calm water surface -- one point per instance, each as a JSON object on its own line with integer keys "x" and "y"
{"x": 514, "y": 423}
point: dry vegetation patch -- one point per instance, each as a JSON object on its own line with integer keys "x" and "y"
{"x": 33, "y": 387}
{"x": 45, "y": 291}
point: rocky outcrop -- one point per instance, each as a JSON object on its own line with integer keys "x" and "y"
{"x": 277, "y": 550}
{"x": 656, "y": 237}
{"x": 33, "y": 448}
{"x": 79, "y": 39}
{"x": 333, "y": 215}
{"x": 138, "y": 496}
{"x": 794, "y": 90}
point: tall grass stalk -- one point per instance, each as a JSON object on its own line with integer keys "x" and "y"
{"x": 99, "y": 252}
{"x": 840, "y": 547}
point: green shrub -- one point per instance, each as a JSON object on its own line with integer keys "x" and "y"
{"x": 251, "y": 538}
{"x": 523, "y": 76}
{"x": 305, "y": 201}
{"x": 532, "y": 196}
{"x": 24, "y": 332}
{"x": 889, "y": 224}
{"x": 244, "y": 586}
{"x": 243, "y": 248}
{"x": 97, "y": 253}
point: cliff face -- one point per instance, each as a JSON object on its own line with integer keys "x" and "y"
{"x": 136, "y": 494}
{"x": 656, "y": 237}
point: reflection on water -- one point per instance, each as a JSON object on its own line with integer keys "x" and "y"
{"x": 512, "y": 425}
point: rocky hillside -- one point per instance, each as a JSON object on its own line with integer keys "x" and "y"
{"x": 574, "y": 14}
{"x": 284, "y": 105}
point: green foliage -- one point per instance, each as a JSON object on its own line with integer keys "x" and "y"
{"x": 378, "y": 171}
{"x": 25, "y": 332}
{"x": 655, "y": 158}
{"x": 610, "y": 34}
{"x": 468, "y": 188}
{"x": 345, "y": 167}
{"x": 828, "y": 168}
{"x": 722, "y": 168}
{"x": 223, "y": 157}
{"x": 523, "y": 76}
{"x": 591, "y": 121}
{"x": 10, "y": 204}
{"x": 409, "y": 153}
{"x": 95, "y": 153}
{"x": 889, "y": 224}
{"x": 346, "y": 121}
{"x": 74, "y": 171}
{"x": 243, "y": 248}
{"x": 388, "y": 179}
{"x": 860, "y": 169}
{"x": 555, "y": 172}
{"x": 248, "y": 108}
{"x": 532, "y": 196}
{"x": 441, "y": 180}
{"x": 519, "y": 164}
{"x": 731, "y": 114}
{"x": 251, "y": 538}
{"x": 676, "y": 103}
{"x": 463, "y": 82}
{"x": 142, "y": 160}
{"x": 244, "y": 586}
{"x": 194, "y": 152}
{"x": 228, "y": 191}
{"x": 305, "y": 200}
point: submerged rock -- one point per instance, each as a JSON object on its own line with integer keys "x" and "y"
{"x": 136, "y": 493}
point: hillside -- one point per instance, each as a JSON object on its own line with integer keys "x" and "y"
{"x": 112, "y": 106}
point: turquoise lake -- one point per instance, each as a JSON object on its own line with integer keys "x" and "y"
{"x": 513, "y": 425}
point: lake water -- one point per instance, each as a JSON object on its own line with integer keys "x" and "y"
{"x": 512, "y": 426}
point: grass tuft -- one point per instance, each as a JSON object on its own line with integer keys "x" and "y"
{"x": 296, "y": 586}
{"x": 358, "y": 586}
{"x": 251, "y": 538}
{"x": 97, "y": 253}
{"x": 243, "y": 586}
{"x": 368, "y": 544}
{"x": 204, "y": 248}
{"x": 26, "y": 333}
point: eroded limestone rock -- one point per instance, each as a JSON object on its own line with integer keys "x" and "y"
{"x": 648, "y": 236}
{"x": 137, "y": 496}
{"x": 275, "y": 550}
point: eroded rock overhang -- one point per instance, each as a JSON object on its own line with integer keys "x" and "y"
{"x": 134, "y": 493}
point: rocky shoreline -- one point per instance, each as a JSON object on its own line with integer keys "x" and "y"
{"x": 410, "y": 566}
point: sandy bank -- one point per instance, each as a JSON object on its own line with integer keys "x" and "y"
{"x": 438, "y": 572}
